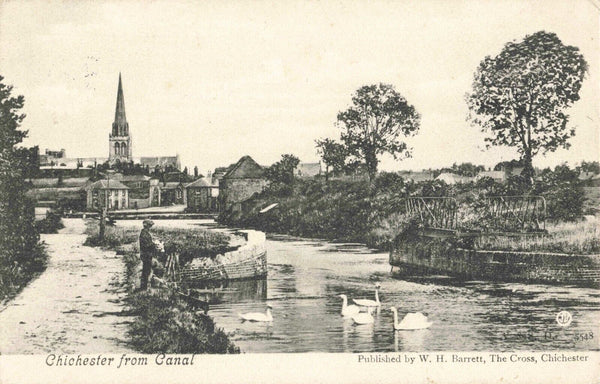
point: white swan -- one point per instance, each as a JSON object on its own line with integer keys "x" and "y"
{"x": 411, "y": 321}
{"x": 348, "y": 310}
{"x": 257, "y": 316}
{"x": 367, "y": 302}
{"x": 363, "y": 318}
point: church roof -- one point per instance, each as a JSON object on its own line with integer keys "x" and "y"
{"x": 245, "y": 168}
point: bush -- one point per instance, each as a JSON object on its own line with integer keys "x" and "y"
{"x": 51, "y": 223}
{"x": 193, "y": 243}
{"x": 563, "y": 191}
{"x": 165, "y": 324}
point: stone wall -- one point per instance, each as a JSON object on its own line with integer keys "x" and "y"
{"x": 420, "y": 258}
{"x": 233, "y": 191}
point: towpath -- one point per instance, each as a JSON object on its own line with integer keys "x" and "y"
{"x": 74, "y": 306}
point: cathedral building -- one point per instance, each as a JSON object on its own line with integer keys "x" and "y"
{"x": 119, "y": 148}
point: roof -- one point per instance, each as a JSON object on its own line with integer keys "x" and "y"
{"x": 308, "y": 169}
{"x": 416, "y": 176}
{"x": 107, "y": 184}
{"x": 245, "y": 168}
{"x": 452, "y": 178}
{"x": 200, "y": 183}
{"x": 160, "y": 161}
{"x": 126, "y": 178}
{"x": 588, "y": 176}
{"x": 496, "y": 175}
{"x": 169, "y": 185}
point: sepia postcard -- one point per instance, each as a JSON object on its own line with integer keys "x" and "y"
{"x": 300, "y": 191}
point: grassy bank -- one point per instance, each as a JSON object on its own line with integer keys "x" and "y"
{"x": 373, "y": 213}
{"x": 163, "y": 322}
{"x": 581, "y": 238}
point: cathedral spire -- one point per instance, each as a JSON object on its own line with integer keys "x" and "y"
{"x": 119, "y": 140}
{"x": 120, "y": 119}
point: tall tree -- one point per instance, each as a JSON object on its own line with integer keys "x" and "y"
{"x": 521, "y": 96}
{"x": 333, "y": 155}
{"x": 18, "y": 236}
{"x": 374, "y": 124}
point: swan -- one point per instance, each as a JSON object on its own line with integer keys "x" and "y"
{"x": 411, "y": 321}
{"x": 257, "y": 316}
{"x": 348, "y": 310}
{"x": 367, "y": 302}
{"x": 363, "y": 318}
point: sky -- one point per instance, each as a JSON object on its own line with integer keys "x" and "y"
{"x": 213, "y": 81}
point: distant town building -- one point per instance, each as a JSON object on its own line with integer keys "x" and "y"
{"x": 163, "y": 162}
{"x": 453, "y": 178}
{"x": 306, "y": 170}
{"x": 416, "y": 177}
{"x": 202, "y": 196}
{"x": 50, "y": 157}
{"x": 108, "y": 193}
{"x": 141, "y": 189}
{"x": 589, "y": 179}
{"x": 240, "y": 182}
{"x": 218, "y": 174}
{"x": 498, "y": 176}
{"x": 171, "y": 192}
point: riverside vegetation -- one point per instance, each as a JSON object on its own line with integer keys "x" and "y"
{"x": 373, "y": 212}
{"x": 164, "y": 323}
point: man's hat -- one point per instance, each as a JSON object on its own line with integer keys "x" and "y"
{"x": 148, "y": 223}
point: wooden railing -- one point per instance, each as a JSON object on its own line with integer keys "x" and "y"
{"x": 434, "y": 212}
{"x": 492, "y": 214}
{"x": 516, "y": 213}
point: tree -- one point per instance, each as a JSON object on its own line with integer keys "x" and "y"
{"x": 333, "y": 155}
{"x": 374, "y": 123}
{"x": 589, "y": 166}
{"x": 283, "y": 170}
{"x": 467, "y": 169}
{"x": 520, "y": 97}
{"x": 19, "y": 249}
{"x": 196, "y": 172}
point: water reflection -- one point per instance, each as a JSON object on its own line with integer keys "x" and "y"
{"x": 231, "y": 291}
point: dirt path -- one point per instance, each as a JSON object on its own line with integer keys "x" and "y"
{"x": 73, "y": 306}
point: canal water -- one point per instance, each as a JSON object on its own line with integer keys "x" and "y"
{"x": 306, "y": 276}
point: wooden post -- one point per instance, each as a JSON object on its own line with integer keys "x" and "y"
{"x": 102, "y": 223}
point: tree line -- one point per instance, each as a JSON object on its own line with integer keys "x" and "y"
{"x": 519, "y": 99}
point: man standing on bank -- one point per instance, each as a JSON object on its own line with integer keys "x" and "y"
{"x": 147, "y": 250}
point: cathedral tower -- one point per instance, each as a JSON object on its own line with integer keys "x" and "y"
{"x": 119, "y": 140}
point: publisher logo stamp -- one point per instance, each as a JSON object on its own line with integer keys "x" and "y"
{"x": 564, "y": 318}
